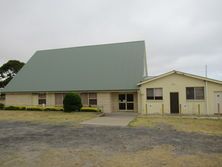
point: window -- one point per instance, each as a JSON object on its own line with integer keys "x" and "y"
{"x": 122, "y": 106}
{"x": 195, "y": 93}
{"x": 42, "y": 98}
{"x": 130, "y": 97}
{"x": 126, "y": 101}
{"x": 130, "y": 106}
{"x": 92, "y": 99}
{"x": 2, "y": 96}
{"x": 59, "y": 99}
{"x": 89, "y": 99}
{"x": 122, "y": 97}
{"x": 154, "y": 93}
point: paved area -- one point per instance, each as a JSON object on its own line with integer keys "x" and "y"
{"x": 112, "y": 119}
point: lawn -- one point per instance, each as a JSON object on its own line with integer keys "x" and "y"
{"x": 46, "y": 116}
{"x": 206, "y": 126}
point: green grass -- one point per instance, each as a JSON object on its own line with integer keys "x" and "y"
{"x": 207, "y": 126}
{"x": 47, "y": 116}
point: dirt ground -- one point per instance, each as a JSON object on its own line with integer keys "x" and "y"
{"x": 39, "y": 145}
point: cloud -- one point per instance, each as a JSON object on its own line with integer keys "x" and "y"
{"x": 179, "y": 34}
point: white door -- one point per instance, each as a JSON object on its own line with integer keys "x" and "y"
{"x": 218, "y": 102}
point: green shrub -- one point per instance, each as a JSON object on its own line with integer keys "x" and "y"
{"x": 2, "y": 106}
{"x": 11, "y": 108}
{"x": 72, "y": 102}
{"x": 53, "y": 109}
{"x": 34, "y": 109}
{"x": 90, "y": 109}
{"x": 22, "y": 108}
{"x": 15, "y": 108}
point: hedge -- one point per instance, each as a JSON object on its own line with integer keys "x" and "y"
{"x": 90, "y": 109}
{"x": 32, "y": 108}
{"x": 11, "y": 108}
{"x": 83, "y": 109}
{"x": 2, "y": 106}
{"x": 53, "y": 109}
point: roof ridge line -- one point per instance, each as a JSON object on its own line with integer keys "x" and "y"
{"x": 91, "y": 45}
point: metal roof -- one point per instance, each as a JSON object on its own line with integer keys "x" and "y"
{"x": 117, "y": 66}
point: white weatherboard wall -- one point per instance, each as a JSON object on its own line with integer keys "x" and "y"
{"x": 178, "y": 83}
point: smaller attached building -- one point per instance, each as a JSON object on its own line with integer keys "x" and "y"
{"x": 178, "y": 92}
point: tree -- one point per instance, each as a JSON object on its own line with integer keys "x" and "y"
{"x": 72, "y": 102}
{"x": 8, "y": 71}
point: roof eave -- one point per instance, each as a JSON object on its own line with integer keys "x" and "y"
{"x": 180, "y": 73}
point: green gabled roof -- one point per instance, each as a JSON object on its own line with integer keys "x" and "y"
{"x": 118, "y": 66}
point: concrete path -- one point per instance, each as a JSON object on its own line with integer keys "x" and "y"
{"x": 112, "y": 119}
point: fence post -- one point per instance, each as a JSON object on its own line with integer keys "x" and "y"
{"x": 180, "y": 109}
{"x": 199, "y": 109}
{"x": 162, "y": 109}
{"x": 146, "y": 108}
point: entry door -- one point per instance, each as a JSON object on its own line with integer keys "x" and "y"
{"x": 174, "y": 102}
{"x": 126, "y": 102}
{"x": 218, "y": 102}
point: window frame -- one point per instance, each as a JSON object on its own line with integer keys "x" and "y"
{"x": 126, "y": 101}
{"x": 2, "y": 96}
{"x": 57, "y": 96}
{"x": 154, "y": 97}
{"x": 92, "y": 98}
{"x": 42, "y": 96}
{"x": 195, "y": 93}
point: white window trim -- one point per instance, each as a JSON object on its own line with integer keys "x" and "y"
{"x": 195, "y": 99}
{"x": 90, "y": 98}
{"x": 154, "y": 97}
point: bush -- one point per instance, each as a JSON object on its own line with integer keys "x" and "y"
{"x": 11, "y": 108}
{"x": 72, "y": 102}
{"x": 34, "y": 109}
{"x": 90, "y": 109}
{"x": 31, "y": 108}
{"x": 22, "y": 108}
{"x": 52, "y": 109}
{"x": 2, "y": 106}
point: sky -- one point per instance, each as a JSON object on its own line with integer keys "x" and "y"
{"x": 182, "y": 35}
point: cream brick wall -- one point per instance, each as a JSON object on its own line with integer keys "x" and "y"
{"x": 27, "y": 99}
{"x": 50, "y": 99}
{"x": 104, "y": 101}
{"x": 108, "y": 101}
{"x": 115, "y": 102}
{"x": 2, "y": 101}
{"x": 18, "y": 99}
{"x": 178, "y": 83}
{"x": 135, "y": 102}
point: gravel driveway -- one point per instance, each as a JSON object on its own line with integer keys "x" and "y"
{"x": 29, "y": 140}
